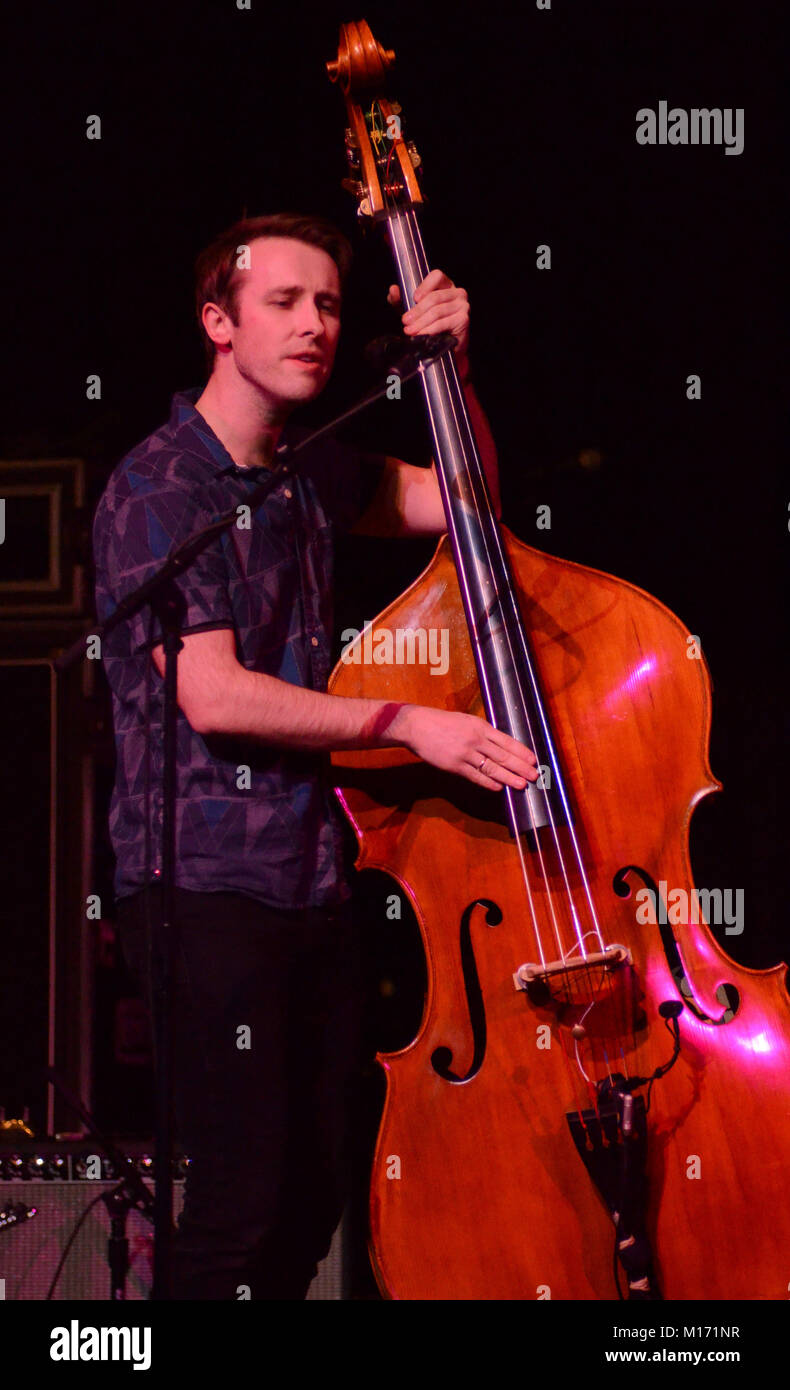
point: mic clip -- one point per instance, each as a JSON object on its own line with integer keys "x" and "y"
{"x": 402, "y": 354}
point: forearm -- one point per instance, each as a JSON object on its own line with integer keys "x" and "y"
{"x": 263, "y": 707}
{"x": 254, "y": 705}
{"x": 221, "y": 697}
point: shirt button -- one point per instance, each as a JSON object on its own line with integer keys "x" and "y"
{"x": 314, "y": 641}
{"x": 287, "y": 493}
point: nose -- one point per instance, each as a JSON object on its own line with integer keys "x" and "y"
{"x": 310, "y": 320}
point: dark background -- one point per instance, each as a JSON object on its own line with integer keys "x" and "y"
{"x": 664, "y": 263}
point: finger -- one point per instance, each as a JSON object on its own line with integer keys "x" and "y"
{"x": 505, "y": 778}
{"x": 444, "y": 297}
{"x": 435, "y": 279}
{"x": 523, "y": 765}
{"x": 435, "y": 323}
{"x": 393, "y": 294}
{"x": 496, "y": 741}
{"x": 495, "y": 777}
{"x": 495, "y": 769}
{"x": 473, "y": 774}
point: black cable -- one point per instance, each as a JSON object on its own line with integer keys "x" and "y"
{"x": 71, "y": 1241}
{"x": 615, "y": 1270}
{"x": 671, "y": 1025}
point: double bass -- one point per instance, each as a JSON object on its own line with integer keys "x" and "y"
{"x": 597, "y": 1102}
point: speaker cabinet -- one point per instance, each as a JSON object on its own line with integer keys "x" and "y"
{"x": 45, "y": 879}
{"x": 38, "y": 1218}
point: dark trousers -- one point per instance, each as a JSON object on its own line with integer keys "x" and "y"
{"x": 267, "y": 1055}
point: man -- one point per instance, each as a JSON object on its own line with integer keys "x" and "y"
{"x": 267, "y": 988}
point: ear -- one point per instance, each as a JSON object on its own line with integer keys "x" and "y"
{"x": 218, "y": 326}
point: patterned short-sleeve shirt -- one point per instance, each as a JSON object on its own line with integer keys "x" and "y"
{"x": 251, "y": 817}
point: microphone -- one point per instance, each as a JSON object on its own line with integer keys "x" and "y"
{"x": 400, "y": 352}
{"x": 671, "y": 1008}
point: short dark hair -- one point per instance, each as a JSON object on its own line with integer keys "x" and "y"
{"x": 216, "y": 271}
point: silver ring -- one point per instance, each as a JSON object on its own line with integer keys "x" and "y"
{"x": 482, "y": 765}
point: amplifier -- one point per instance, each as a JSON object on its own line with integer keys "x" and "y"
{"x": 38, "y": 1218}
{"x": 30, "y": 1249}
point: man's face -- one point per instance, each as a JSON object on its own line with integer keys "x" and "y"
{"x": 288, "y": 309}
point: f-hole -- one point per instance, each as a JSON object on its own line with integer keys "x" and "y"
{"x": 727, "y": 994}
{"x": 441, "y": 1057}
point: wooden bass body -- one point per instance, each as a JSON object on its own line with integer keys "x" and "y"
{"x": 478, "y": 1189}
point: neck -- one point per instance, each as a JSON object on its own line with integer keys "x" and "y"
{"x": 245, "y": 422}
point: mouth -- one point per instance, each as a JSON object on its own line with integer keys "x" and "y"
{"x": 307, "y": 359}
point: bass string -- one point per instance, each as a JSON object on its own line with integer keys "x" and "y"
{"x": 420, "y": 260}
{"x": 470, "y": 457}
{"x": 410, "y": 268}
{"x": 587, "y": 973}
{"x": 413, "y": 267}
{"x": 409, "y": 278}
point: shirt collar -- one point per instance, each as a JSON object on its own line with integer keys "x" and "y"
{"x": 193, "y": 433}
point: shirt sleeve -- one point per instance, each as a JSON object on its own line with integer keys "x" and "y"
{"x": 133, "y": 539}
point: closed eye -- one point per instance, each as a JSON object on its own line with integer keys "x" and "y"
{"x": 325, "y": 308}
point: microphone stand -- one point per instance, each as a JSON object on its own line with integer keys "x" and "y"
{"x": 167, "y": 602}
{"x": 130, "y": 1193}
